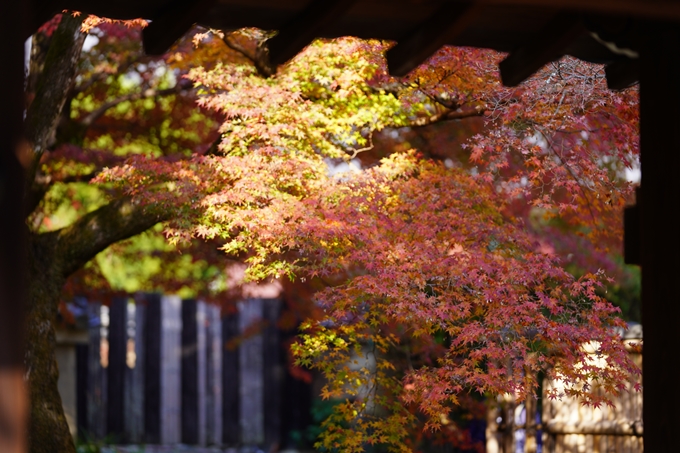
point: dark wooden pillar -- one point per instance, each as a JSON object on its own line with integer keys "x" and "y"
{"x": 213, "y": 381}
{"x": 660, "y": 204}
{"x": 13, "y": 402}
{"x": 251, "y": 370}
{"x": 82, "y": 383}
{"x": 96, "y": 393}
{"x": 134, "y": 375}
{"x": 189, "y": 373}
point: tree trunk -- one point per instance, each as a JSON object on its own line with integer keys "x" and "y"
{"x": 48, "y": 430}
{"x": 50, "y": 82}
{"x": 55, "y": 255}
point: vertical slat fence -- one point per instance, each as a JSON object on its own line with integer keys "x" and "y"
{"x": 161, "y": 371}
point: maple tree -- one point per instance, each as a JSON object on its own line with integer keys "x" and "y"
{"x": 427, "y": 250}
{"x": 438, "y": 270}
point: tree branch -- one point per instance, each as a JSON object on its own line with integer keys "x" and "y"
{"x": 355, "y": 152}
{"x": 448, "y": 115}
{"x": 260, "y": 59}
{"x": 121, "y": 219}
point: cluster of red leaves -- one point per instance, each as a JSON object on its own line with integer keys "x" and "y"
{"x": 561, "y": 140}
{"x": 429, "y": 253}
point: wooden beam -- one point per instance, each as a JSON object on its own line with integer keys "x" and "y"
{"x": 667, "y": 10}
{"x": 171, "y": 23}
{"x": 549, "y": 45}
{"x": 305, "y": 27}
{"x": 618, "y": 427}
{"x": 444, "y": 25}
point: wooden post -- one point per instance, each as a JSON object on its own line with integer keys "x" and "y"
{"x": 82, "y": 383}
{"x": 116, "y": 369}
{"x": 189, "y": 373}
{"x": 96, "y": 373}
{"x": 531, "y": 443}
{"x": 274, "y": 371}
{"x": 162, "y": 404}
{"x": 231, "y": 379}
{"x": 152, "y": 368}
{"x": 251, "y": 367}
{"x": 193, "y": 372}
{"x": 134, "y": 375}
{"x": 214, "y": 376}
{"x": 660, "y": 203}
{"x": 171, "y": 370}
{"x": 201, "y": 369}
{"x": 66, "y": 352}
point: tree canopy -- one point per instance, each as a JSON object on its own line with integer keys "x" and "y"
{"x": 454, "y": 273}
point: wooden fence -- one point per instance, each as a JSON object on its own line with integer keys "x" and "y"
{"x": 159, "y": 370}
{"x": 574, "y": 428}
{"x": 566, "y": 426}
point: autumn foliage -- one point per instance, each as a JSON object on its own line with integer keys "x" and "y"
{"x": 445, "y": 279}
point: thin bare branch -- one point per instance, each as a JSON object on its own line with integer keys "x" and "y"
{"x": 448, "y": 115}
{"x": 355, "y": 152}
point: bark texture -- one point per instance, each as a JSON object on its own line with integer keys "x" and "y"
{"x": 48, "y": 430}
